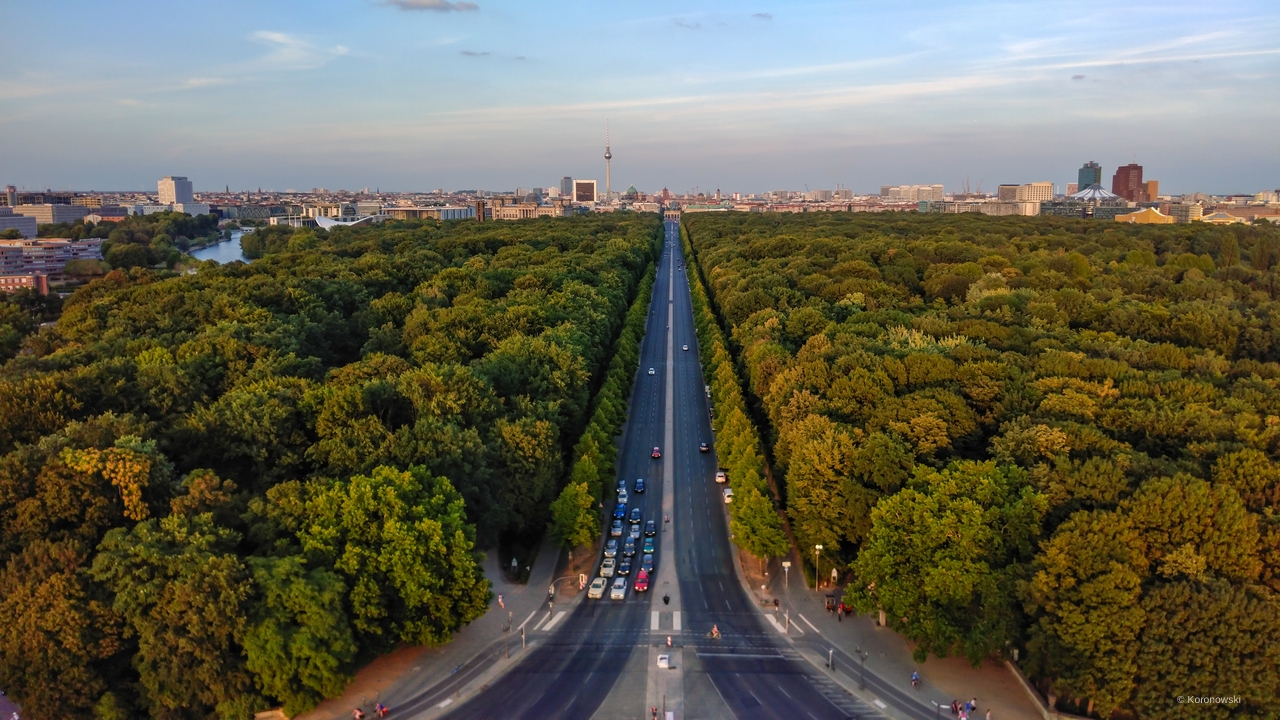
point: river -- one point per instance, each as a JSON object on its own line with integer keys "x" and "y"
{"x": 223, "y": 252}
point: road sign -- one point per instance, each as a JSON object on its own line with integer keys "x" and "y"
{"x": 786, "y": 563}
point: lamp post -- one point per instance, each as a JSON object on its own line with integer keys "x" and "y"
{"x": 817, "y": 579}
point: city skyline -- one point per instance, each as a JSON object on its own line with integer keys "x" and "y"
{"x": 414, "y": 95}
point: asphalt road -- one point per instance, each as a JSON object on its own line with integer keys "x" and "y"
{"x": 750, "y": 672}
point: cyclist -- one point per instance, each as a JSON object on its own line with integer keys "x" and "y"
{"x": 381, "y": 710}
{"x": 715, "y": 631}
{"x": 915, "y": 679}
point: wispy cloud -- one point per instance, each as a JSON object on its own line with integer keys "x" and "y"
{"x": 473, "y": 53}
{"x": 762, "y": 16}
{"x": 290, "y": 52}
{"x": 197, "y": 82}
{"x": 681, "y": 22}
{"x": 433, "y": 5}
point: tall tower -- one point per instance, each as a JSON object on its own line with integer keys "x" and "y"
{"x": 607, "y": 157}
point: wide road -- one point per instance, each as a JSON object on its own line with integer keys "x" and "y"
{"x": 571, "y": 672}
{"x": 750, "y": 672}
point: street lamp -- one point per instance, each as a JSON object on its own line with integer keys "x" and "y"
{"x": 862, "y": 656}
{"x": 817, "y": 579}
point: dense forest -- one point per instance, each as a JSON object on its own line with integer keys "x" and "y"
{"x": 1043, "y": 439}
{"x": 222, "y": 490}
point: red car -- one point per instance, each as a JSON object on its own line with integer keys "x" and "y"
{"x": 642, "y": 581}
{"x": 657, "y": 452}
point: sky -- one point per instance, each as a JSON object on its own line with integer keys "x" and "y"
{"x": 744, "y": 96}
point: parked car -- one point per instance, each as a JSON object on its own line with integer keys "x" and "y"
{"x": 650, "y": 529}
{"x": 619, "y": 589}
{"x": 639, "y": 486}
{"x": 596, "y": 591}
{"x": 657, "y": 452}
{"x": 642, "y": 581}
{"x": 728, "y": 495}
{"x": 703, "y": 447}
{"x": 721, "y": 477}
{"x": 607, "y": 567}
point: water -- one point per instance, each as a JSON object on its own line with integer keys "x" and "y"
{"x": 223, "y": 252}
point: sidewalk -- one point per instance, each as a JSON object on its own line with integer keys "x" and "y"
{"x": 889, "y": 654}
{"x": 404, "y": 674}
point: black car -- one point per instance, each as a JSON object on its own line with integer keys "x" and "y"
{"x": 629, "y": 547}
{"x": 646, "y": 563}
{"x": 635, "y": 516}
{"x": 704, "y": 448}
{"x": 650, "y": 529}
{"x": 624, "y": 567}
{"x": 639, "y": 486}
{"x": 620, "y": 511}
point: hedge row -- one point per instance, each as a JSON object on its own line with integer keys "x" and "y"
{"x": 753, "y": 520}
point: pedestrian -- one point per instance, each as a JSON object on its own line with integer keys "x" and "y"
{"x": 973, "y": 705}
{"x": 955, "y": 707}
{"x": 500, "y": 603}
{"x": 988, "y": 715}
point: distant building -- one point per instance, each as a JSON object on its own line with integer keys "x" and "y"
{"x": 584, "y": 191}
{"x": 1184, "y": 213}
{"x": 22, "y": 223}
{"x": 1221, "y": 218}
{"x": 435, "y": 212}
{"x": 527, "y": 210}
{"x": 1127, "y": 183}
{"x": 109, "y": 213}
{"x": 191, "y": 208}
{"x": 1072, "y": 188}
{"x": 986, "y": 208}
{"x": 1035, "y": 192}
{"x": 1007, "y": 193}
{"x": 46, "y": 214}
{"x": 1146, "y": 216}
{"x": 89, "y": 201}
{"x": 1152, "y": 190}
{"x": 174, "y": 190}
{"x": 10, "y": 283}
{"x": 45, "y": 256}
{"x": 14, "y": 198}
{"x": 566, "y": 186}
{"x": 1092, "y": 202}
{"x": 1090, "y": 174}
{"x": 911, "y": 193}
{"x": 10, "y": 196}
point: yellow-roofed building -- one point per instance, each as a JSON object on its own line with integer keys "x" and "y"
{"x": 1146, "y": 216}
{"x": 1221, "y": 218}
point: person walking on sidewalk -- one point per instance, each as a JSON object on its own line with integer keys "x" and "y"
{"x": 955, "y": 707}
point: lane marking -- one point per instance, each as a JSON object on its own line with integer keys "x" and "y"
{"x": 744, "y": 656}
{"x": 806, "y": 622}
{"x": 554, "y": 620}
{"x": 548, "y": 617}
{"x": 654, "y": 622}
{"x": 881, "y": 705}
{"x": 784, "y": 692}
{"x": 447, "y": 702}
{"x": 526, "y": 620}
{"x": 675, "y": 621}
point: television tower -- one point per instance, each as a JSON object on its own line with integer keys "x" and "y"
{"x": 607, "y": 157}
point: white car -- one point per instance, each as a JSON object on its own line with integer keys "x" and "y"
{"x": 607, "y": 567}
{"x": 721, "y": 477}
{"x": 596, "y": 591}
{"x": 619, "y": 589}
{"x": 623, "y": 497}
{"x": 651, "y": 371}
{"x": 684, "y": 347}
{"x": 728, "y": 495}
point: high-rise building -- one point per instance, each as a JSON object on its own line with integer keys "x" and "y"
{"x": 1152, "y": 190}
{"x": 175, "y": 190}
{"x": 608, "y": 155}
{"x": 1007, "y": 193}
{"x": 1035, "y": 192}
{"x": 884, "y": 190}
{"x": 566, "y": 186}
{"x": 1184, "y": 213}
{"x": 584, "y": 191}
{"x": 1127, "y": 182}
{"x": 1090, "y": 174}
{"x": 11, "y": 196}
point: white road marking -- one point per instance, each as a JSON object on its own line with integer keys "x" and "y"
{"x": 526, "y": 620}
{"x": 554, "y": 620}
{"x": 806, "y": 622}
{"x": 784, "y": 692}
{"x": 654, "y": 622}
{"x": 880, "y": 705}
{"x": 675, "y": 621}
{"x": 548, "y": 617}
{"x": 446, "y": 703}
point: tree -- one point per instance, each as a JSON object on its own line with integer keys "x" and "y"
{"x": 183, "y": 593}
{"x": 943, "y": 556}
{"x": 574, "y": 518}
{"x": 401, "y": 540}
{"x": 297, "y": 641}
{"x": 755, "y": 525}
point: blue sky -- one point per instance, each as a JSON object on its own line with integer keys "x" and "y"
{"x": 747, "y": 96}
